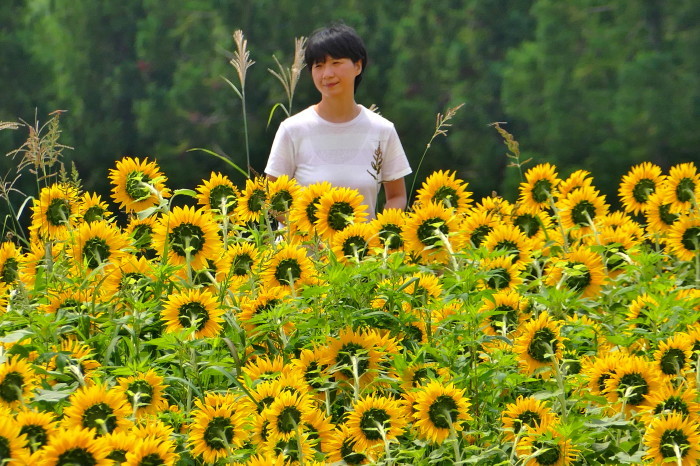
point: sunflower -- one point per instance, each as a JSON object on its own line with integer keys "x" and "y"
{"x": 526, "y": 413}
{"x": 119, "y": 444}
{"x": 187, "y": 235}
{"x": 580, "y": 209}
{"x": 303, "y": 215}
{"x": 619, "y": 247}
{"x": 673, "y": 439}
{"x": 137, "y": 184}
{"x": 312, "y": 368}
{"x": 670, "y": 399}
{"x": 253, "y": 202}
{"x": 216, "y": 431}
{"x": 674, "y": 355}
{"x": 388, "y": 226}
{"x": 131, "y": 276}
{"x": 240, "y": 260}
{"x": 500, "y": 273}
{"x": 17, "y": 382}
{"x": 91, "y": 208}
{"x": 374, "y": 420}
{"x": 283, "y": 192}
{"x": 320, "y": 428}
{"x": 638, "y": 184}
{"x": 422, "y": 287}
{"x": 354, "y": 243}
{"x": 682, "y": 187}
{"x": 150, "y": 427}
{"x": 442, "y": 187}
{"x": 255, "y": 309}
{"x": 99, "y": 243}
{"x": 37, "y": 427}
{"x": 289, "y": 266}
{"x": 576, "y": 180}
{"x": 540, "y": 186}
{"x": 263, "y": 368}
{"x": 621, "y": 221}
{"x": 354, "y": 356}
{"x": 37, "y": 260}
{"x": 287, "y": 413}
{"x": 641, "y": 312}
{"x": 97, "y": 408}
{"x": 74, "y": 359}
{"x": 338, "y": 208}
{"x": 659, "y": 216}
{"x": 439, "y": 410}
{"x": 295, "y": 450}
{"x": 505, "y": 310}
{"x": 539, "y": 345}
{"x": 580, "y": 270}
{"x": 509, "y": 241}
{"x": 193, "y": 309}
{"x": 144, "y": 392}
{"x": 152, "y": 451}
{"x": 476, "y": 226}
{"x": 632, "y": 382}
{"x": 54, "y": 211}
{"x": 10, "y": 256}
{"x": 12, "y": 442}
{"x": 493, "y": 205}
{"x": 343, "y": 449}
{"x": 534, "y": 226}
{"x": 430, "y": 232}
{"x": 218, "y": 194}
{"x": 546, "y": 447}
{"x": 683, "y": 238}
{"x": 76, "y": 446}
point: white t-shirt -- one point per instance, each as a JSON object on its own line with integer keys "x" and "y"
{"x": 311, "y": 149}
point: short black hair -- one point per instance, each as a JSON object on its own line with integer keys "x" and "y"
{"x": 337, "y": 41}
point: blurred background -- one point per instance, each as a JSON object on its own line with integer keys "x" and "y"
{"x": 594, "y": 85}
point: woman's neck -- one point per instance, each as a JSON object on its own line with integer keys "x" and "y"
{"x": 337, "y": 112}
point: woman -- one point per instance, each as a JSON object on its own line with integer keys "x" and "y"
{"x": 338, "y": 140}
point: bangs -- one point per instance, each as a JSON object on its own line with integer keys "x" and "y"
{"x": 337, "y": 42}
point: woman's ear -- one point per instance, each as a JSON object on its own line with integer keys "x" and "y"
{"x": 358, "y": 67}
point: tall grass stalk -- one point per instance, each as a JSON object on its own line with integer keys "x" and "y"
{"x": 241, "y": 62}
{"x": 289, "y": 77}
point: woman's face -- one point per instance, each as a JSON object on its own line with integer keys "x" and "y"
{"x": 335, "y": 77}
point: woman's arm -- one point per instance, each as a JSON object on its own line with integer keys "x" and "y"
{"x": 395, "y": 193}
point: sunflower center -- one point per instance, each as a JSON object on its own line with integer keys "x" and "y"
{"x": 446, "y": 195}
{"x": 579, "y": 277}
{"x": 118, "y": 456}
{"x": 288, "y": 419}
{"x": 222, "y": 195}
{"x": 691, "y": 239}
{"x": 241, "y": 264}
{"x": 550, "y": 453}
{"x": 152, "y": 459}
{"x": 10, "y": 271}
{"x": 256, "y": 200}
{"x": 390, "y": 236}
{"x": 479, "y": 234}
{"x": 262, "y": 307}
{"x": 526, "y": 418}
{"x": 601, "y": 381}
{"x": 348, "y": 453}
{"x": 673, "y": 438}
{"x": 193, "y": 314}
{"x": 443, "y": 412}
{"x": 95, "y": 252}
{"x": 142, "y": 236}
{"x": 673, "y": 404}
{"x": 528, "y": 224}
{"x": 202, "y": 276}
{"x": 36, "y": 436}
{"x": 672, "y": 361}
{"x": 355, "y": 245}
{"x": 635, "y": 385}
{"x": 511, "y": 247}
{"x": 643, "y": 189}
{"x": 499, "y": 278}
{"x": 130, "y": 280}
{"x": 187, "y": 236}
{"x": 100, "y": 417}
{"x": 281, "y": 201}
{"x": 312, "y": 375}
{"x": 70, "y": 305}
{"x": 347, "y": 353}
{"x": 94, "y": 213}
{"x": 288, "y": 271}
{"x": 543, "y": 345}
{"x": 372, "y": 422}
{"x": 340, "y": 215}
{"x": 428, "y": 231}
{"x": 685, "y": 189}
{"x": 311, "y": 210}
{"x": 5, "y": 449}
{"x": 75, "y": 456}
{"x": 134, "y": 186}
{"x": 666, "y": 216}
{"x": 505, "y": 319}
{"x": 58, "y": 211}
{"x": 139, "y": 393}
{"x": 219, "y": 433}
{"x": 11, "y": 387}
{"x": 583, "y": 213}
{"x": 541, "y": 190}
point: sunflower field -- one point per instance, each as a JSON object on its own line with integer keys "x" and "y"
{"x": 275, "y": 324}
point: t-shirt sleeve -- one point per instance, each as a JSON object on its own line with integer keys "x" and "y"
{"x": 282, "y": 158}
{"x": 395, "y": 163}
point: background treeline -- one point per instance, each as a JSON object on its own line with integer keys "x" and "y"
{"x": 591, "y": 84}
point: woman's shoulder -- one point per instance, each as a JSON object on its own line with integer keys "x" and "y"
{"x": 376, "y": 118}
